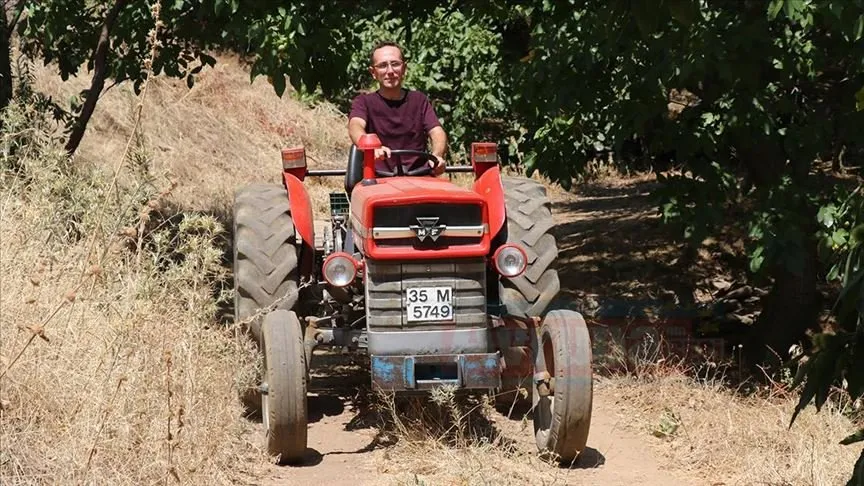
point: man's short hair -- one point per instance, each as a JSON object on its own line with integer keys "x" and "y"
{"x": 381, "y": 44}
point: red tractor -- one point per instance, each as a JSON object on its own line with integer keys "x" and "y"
{"x": 439, "y": 284}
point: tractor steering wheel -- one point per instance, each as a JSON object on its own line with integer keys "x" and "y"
{"x": 421, "y": 171}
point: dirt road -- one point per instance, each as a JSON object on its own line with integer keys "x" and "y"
{"x": 341, "y": 453}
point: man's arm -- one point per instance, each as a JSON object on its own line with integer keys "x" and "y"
{"x": 439, "y": 147}
{"x": 439, "y": 141}
{"x": 356, "y": 129}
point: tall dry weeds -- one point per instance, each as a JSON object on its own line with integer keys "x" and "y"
{"x": 706, "y": 427}
{"x": 112, "y": 370}
{"x": 449, "y": 438}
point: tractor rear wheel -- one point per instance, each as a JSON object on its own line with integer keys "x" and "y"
{"x": 283, "y": 390}
{"x": 529, "y": 221}
{"x": 563, "y": 388}
{"x": 265, "y": 253}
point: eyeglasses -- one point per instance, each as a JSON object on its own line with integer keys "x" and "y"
{"x": 382, "y": 66}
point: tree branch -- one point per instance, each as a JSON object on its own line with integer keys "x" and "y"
{"x": 99, "y": 73}
{"x": 10, "y": 24}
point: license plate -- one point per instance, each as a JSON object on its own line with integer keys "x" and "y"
{"x": 429, "y": 304}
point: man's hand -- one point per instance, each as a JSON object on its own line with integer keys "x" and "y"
{"x": 437, "y": 165}
{"x": 382, "y": 153}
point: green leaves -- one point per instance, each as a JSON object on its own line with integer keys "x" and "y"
{"x": 793, "y": 9}
{"x": 774, "y": 8}
{"x": 685, "y": 12}
{"x": 647, "y": 17}
{"x": 822, "y": 370}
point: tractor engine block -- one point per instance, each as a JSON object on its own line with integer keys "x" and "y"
{"x": 446, "y": 299}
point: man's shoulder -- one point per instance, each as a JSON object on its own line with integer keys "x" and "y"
{"x": 417, "y": 95}
{"x": 362, "y": 97}
{"x": 360, "y": 106}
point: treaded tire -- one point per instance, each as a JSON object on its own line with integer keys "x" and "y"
{"x": 283, "y": 403}
{"x": 562, "y": 418}
{"x": 265, "y": 252}
{"x": 529, "y": 220}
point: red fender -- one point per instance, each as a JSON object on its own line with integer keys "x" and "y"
{"x": 490, "y": 187}
{"x": 301, "y": 213}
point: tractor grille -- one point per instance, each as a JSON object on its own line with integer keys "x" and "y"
{"x": 440, "y": 243}
{"x": 447, "y": 214}
{"x": 387, "y": 284}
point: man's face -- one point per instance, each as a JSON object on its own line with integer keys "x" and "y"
{"x": 388, "y": 68}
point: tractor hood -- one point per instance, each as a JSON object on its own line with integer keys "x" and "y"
{"x": 398, "y": 217}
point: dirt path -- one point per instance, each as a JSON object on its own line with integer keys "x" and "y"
{"x": 343, "y": 452}
{"x": 346, "y": 448}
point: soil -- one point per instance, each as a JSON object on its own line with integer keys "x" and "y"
{"x": 612, "y": 248}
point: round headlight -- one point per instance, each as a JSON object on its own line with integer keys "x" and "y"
{"x": 339, "y": 269}
{"x": 510, "y": 261}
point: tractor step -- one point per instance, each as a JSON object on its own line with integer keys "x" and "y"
{"x": 425, "y": 372}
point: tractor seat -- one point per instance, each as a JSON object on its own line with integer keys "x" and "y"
{"x": 354, "y": 174}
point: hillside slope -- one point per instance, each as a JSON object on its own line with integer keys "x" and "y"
{"x": 221, "y": 134}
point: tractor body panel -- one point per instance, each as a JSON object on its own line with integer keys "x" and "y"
{"x": 419, "y": 218}
{"x": 488, "y": 185}
{"x": 304, "y": 225}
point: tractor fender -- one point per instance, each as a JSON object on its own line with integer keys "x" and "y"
{"x": 489, "y": 186}
{"x": 301, "y": 214}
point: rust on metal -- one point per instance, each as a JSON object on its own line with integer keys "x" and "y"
{"x": 424, "y": 372}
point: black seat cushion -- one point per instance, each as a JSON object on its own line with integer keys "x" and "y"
{"x": 354, "y": 174}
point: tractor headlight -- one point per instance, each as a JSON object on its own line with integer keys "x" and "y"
{"x": 339, "y": 269}
{"x": 510, "y": 261}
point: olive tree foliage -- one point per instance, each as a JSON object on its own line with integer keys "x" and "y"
{"x": 756, "y": 104}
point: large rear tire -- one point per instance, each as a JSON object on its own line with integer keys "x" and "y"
{"x": 563, "y": 386}
{"x": 283, "y": 402}
{"x": 265, "y": 252}
{"x": 529, "y": 221}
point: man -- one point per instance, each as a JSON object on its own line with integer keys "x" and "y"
{"x": 402, "y": 118}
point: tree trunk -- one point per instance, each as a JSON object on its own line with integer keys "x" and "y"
{"x": 8, "y": 27}
{"x": 98, "y": 83}
{"x": 790, "y": 309}
{"x": 5, "y": 67}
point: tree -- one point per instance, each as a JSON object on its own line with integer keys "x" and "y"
{"x": 113, "y": 40}
{"x": 12, "y": 10}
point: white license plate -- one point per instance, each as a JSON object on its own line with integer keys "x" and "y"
{"x": 429, "y": 303}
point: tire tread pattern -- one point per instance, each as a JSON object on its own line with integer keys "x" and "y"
{"x": 265, "y": 251}
{"x": 286, "y": 377}
{"x": 571, "y": 342}
{"x": 529, "y": 221}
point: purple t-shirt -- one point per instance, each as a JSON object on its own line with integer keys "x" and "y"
{"x": 399, "y": 124}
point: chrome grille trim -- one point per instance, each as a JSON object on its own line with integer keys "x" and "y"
{"x": 451, "y": 231}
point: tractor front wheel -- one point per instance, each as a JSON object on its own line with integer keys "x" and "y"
{"x": 563, "y": 389}
{"x": 283, "y": 391}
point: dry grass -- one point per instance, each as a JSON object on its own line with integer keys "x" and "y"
{"x": 453, "y": 441}
{"x": 708, "y": 429}
{"x": 223, "y": 133}
{"x": 112, "y": 369}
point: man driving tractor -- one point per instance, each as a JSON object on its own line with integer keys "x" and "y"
{"x": 401, "y": 118}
